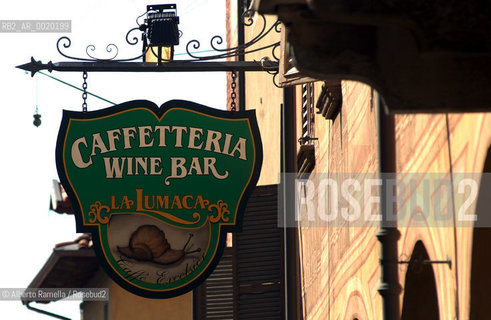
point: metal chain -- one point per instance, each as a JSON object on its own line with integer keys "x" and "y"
{"x": 84, "y": 94}
{"x": 233, "y": 95}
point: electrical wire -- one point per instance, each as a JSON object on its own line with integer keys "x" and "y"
{"x": 90, "y": 93}
{"x": 75, "y": 87}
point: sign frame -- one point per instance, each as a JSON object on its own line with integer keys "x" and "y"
{"x": 159, "y": 112}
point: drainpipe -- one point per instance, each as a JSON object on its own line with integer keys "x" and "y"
{"x": 54, "y": 315}
{"x": 292, "y": 301}
{"x": 388, "y": 235}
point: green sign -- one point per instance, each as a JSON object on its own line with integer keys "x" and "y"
{"x": 159, "y": 188}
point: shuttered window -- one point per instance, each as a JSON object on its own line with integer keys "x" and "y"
{"x": 330, "y": 100}
{"x": 248, "y": 281}
{"x": 308, "y": 115}
{"x": 215, "y": 298}
{"x": 306, "y": 152}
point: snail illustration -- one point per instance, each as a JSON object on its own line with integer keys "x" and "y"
{"x": 148, "y": 243}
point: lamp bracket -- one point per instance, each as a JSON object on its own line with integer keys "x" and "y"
{"x": 174, "y": 66}
{"x": 195, "y": 62}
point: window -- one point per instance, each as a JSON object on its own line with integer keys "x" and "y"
{"x": 330, "y": 99}
{"x": 306, "y": 153}
{"x": 308, "y": 115}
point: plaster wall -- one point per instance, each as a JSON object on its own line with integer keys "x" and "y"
{"x": 340, "y": 263}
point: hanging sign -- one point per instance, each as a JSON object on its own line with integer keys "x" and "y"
{"x": 159, "y": 188}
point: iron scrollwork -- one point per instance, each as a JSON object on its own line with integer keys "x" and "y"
{"x": 65, "y": 42}
{"x": 139, "y": 35}
{"x": 247, "y": 20}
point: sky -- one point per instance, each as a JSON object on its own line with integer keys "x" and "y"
{"x": 28, "y": 229}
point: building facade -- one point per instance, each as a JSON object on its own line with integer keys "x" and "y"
{"x": 439, "y": 269}
{"x": 334, "y": 269}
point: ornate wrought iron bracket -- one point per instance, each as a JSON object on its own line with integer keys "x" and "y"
{"x": 173, "y": 66}
{"x": 196, "y": 63}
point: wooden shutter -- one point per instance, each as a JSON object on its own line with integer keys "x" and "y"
{"x": 215, "y": 298}
{"x": 248, "y": 281}
{"x": 259, "y": 258}
{"x": 308, "y": 115}
{"x": 306, "y": 152}
{"x": 330, "y": 99}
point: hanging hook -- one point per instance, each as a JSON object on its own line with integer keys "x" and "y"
{"x": 37, "y": 116}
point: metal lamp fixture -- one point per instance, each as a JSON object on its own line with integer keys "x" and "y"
{"x": 160, "y": 32}
{"x": 162, "y": 21}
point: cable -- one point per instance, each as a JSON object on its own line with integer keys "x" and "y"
{"x": 92, "y": 94}
{"x": 75, "y": 87}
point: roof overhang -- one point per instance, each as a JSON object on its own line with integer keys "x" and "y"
{"x": 65, "y": 269}
{"x": 430, "y": 56}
